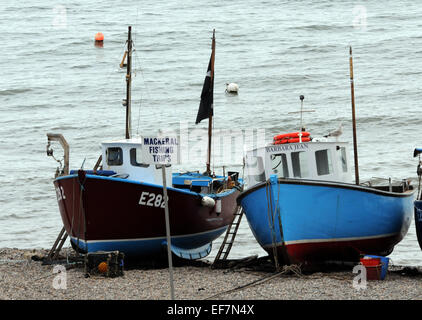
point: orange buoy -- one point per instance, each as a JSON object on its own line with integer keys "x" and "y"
{"x": 99, "y": 37}
{"x": 103, "y": 267}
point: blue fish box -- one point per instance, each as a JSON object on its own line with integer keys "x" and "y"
{"x": 384, "y": 265}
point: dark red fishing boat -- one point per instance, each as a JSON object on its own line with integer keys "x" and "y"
{"x": 119, "y": 205}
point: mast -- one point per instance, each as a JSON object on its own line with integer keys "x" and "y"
{"x": 128, "y": 82}
{"x": 212, "y": 90}
{"x": 355, "y": 148}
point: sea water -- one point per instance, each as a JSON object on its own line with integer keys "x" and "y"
{"x": 54, "y": 79}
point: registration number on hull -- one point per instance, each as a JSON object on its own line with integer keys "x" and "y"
{"x": 60, "y": 193}
{"x": 151, "y": 199}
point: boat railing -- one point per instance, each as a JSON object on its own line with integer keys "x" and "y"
{"x": 389, "y": 184}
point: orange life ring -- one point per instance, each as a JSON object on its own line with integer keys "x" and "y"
{"x": 292, "y": 140}
{"x": 291, "y": 135}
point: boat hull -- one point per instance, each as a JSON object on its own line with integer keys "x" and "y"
{"x": 107, "y": 213}
{"x": 418, "y": 221}
{"x": 316, "y": 222}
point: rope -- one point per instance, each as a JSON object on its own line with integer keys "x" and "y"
{"x": 271, "y": 223}
{"x": 284, "y": 250}
{"x": 419, "y": 195}
{"x": 137, "y": 65}
{"x": 81, "y": 188}
{"x": 79, "y": 222}
{"x": 243, "y": 170}
{"x": 82, "y": 211}
{"x": 6, "y": 261}
{"x": 60, "y": 163}
{"x": 213, "y": 149}
{"x": 295, "y": 269}
{"x": 73, "y": 210}
{"x": 113, "y": 69}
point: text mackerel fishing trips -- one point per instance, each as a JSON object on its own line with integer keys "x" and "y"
{"x": 161, "y": 148}
{"x": 161, "y": 145}
{"x": 161, "y": 141}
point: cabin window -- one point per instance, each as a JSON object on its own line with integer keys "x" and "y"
{"x": 343, "y": 158}
{"x": 299, "y": 164}
{"x": 135, "y": 158}
{"x": 114, "y": 156}
{"x": 279, "y": 165}
{"x": 323, "y": 162}
{"x": 256, "y": 171}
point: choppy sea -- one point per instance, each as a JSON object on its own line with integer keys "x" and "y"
{"x": 54, "y": 79}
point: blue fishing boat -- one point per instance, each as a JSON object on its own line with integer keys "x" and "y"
{"x": 303, "y": 206}
{"x": 418, "y": 202}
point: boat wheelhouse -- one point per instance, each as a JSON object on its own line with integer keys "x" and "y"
{"x": 126, "y": 159}
{"x": 316, "y": 160}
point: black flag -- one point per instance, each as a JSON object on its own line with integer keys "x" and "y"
{"x": 206, "y": 105}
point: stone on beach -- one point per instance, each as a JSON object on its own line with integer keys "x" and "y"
{"x": 23, "y": 279}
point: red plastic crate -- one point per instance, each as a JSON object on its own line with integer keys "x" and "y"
{"x": 370, "y": 261}
{"x": 373, "y": 272}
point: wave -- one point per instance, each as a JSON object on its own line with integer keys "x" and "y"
{"x": 82, "y": 66}
{"x": 312, "y": 48}
{"x": 12, "y": 216}
{"x": 11, "y": 92}
{"x": 322, "y": 27}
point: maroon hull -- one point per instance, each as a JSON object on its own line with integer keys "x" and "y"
{"x": 319, "y": 252}
{"x": 112, "y": 210}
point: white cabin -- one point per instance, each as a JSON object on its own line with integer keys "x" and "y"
{"x": 328, "y": 161}
{"x": 125, "y": 158}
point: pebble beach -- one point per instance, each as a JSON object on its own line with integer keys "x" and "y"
{"x": 23, "y": 278}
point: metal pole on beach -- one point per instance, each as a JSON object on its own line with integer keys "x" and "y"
{"x": 163, "y": 168}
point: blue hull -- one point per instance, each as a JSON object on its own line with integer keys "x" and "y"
{"x": 418, "y": 221}
{"x": 153, "y": 246}
{"x": 311, "y": 221}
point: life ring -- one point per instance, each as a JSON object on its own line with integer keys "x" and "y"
{"x": 291, "y": 135}
{"x": 292, "y": 140}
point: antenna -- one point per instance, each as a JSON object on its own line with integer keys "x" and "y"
{"x": 301, "y": 97}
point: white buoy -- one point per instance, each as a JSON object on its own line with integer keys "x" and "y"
{"x": 232, "y": 88}
{"x": 208, "y": 202}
